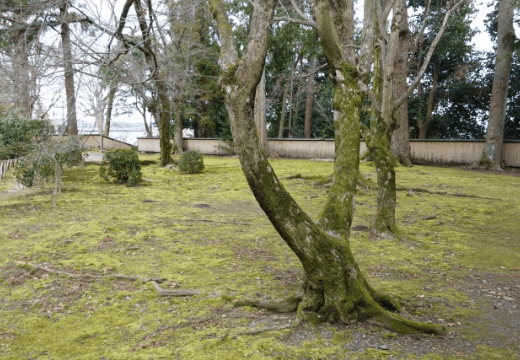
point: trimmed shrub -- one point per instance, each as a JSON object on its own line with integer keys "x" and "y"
{"x": 121, "y": 166}
{"x": 191, "y": 162}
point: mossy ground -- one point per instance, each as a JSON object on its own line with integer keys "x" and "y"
{"x": 456, "y": 262}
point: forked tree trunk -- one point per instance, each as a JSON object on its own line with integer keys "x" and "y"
{"x": 492, "y": 154}
{"x": 334, "y": 285}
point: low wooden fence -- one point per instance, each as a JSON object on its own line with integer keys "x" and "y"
{"x": 422, "y": 151}
{"x": 6, "y": 165}
{"x": 93, "y": 141}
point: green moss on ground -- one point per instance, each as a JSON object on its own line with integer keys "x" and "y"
{"x": 206, "y": 232}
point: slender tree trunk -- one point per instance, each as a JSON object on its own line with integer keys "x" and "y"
{"x": 110, "y": 106}
{"x": 492, "y": 154}
{"x": 260, "y": 109}
{"x": 383, "y": 123}
{"x": 310, "y": 98}
{"x": 72, "y": 123}
{"x": 284, "y": 110}
{"x": 422, "y": 126}
{"x": 178, "y": 129}
{"x": 295, "y": 112}
{"x": 400, "y": 138}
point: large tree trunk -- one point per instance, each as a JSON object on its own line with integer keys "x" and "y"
{"x": 310, "y": 98}
{"x": 400, "y": 139}
{"x": 492, "y": 154}
{"x": 334, "y": 285}
{"x": 72, "y": 123}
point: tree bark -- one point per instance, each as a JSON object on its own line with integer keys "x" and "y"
{"x": 400, "y": 138}
{"x": 72, "y": 123}
{"x": 492, "y": 154}
{"x": 334, "y": 285}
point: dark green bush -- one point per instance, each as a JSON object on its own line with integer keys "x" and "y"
{"x": 19, "y": 136}
{"x": 191, "y": 162}
{"x": 122, "y": 166}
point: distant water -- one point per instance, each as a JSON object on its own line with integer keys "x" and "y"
{"x": 127, "y": 132}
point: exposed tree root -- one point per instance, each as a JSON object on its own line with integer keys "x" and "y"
{"x": 165, "y": 292}
{"x": 377, "y": 311}
{"x": 422, "y": 190}
{"x": 278, "y": 305}
{"x": 260, "y": 331}
{"x": 215, "y": 221}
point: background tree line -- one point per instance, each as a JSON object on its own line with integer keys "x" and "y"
{"x": 163, "y": 63}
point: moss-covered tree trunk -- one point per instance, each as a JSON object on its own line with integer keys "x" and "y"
{"x": 334, "y": 285}
{"x": 338, "y": 212}
{"x": 334, "y": 31}
{"x": 378, "y": 140}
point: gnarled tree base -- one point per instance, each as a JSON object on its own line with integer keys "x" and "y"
{"x": 362, "y": 306}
